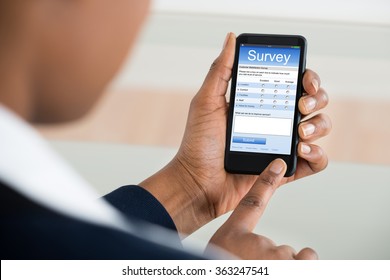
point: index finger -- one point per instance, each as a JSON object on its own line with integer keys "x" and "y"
{"x": 252, "y": 206}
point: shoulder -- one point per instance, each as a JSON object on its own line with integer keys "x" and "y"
{"x": 32, "y": 231}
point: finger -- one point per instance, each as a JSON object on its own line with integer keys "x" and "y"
{"x": 252, "y": 206}
{"x": 314, "y": 128}
{"x": 311, "y": 82}
{"x": 307, "y": 254}
{"x": 310, "y": 103}
{"x": 217, "y": 79}
{"x": 285, "y": 252}
{"x": 315, "y": 157}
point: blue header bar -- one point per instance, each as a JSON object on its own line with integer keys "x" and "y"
{"x": 269, "y": 56}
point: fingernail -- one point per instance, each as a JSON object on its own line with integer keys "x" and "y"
{"x": 226, "y": 40}
{"x": 305, "y": 149}
{"x": 308, "y": 129}
{"x": 277, "y": 166}
{"x": 315, "y": 84}
{"x": 310, "y": 103}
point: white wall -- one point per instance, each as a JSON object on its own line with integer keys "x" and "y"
{"x": 348, "y": 41}
{"x": 365, "y": 11}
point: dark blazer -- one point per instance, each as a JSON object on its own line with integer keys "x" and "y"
{"x": 33, "y": 231}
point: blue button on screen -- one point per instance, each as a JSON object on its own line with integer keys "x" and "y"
{"x": 249, "y": 140}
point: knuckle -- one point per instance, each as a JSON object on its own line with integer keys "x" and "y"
{"x": 220, "y": 69}
{"x": 306, "y": 254}
{"x": 325, "y": 161}
{"x": 279, "y": 254}
{"x": 253, "y": 201}
{"x": 284, "y": 252}
{"x": 267, "y": 179}
{"x": 308, "y": 74}
{"x": 329, "y": 124}
{"x": 265, "y": 242}
{"x": 325, "y": 124}
{"x": 262, "y": 242}
{"x": 194, "y": 102}
{"x": 320, "y": 160}
{"x": 221, "y": 240}
{"x": 214, "y": 64}
{"x": 325, "y": 98}
{"x": 286, "y": 249}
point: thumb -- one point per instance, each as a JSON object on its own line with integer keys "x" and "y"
{"x": 217, "y": 79}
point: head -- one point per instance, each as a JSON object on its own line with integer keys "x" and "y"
{"x": 57, "y": 56}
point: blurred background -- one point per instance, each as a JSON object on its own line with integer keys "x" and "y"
{"x": 348, "y": 46}
{"x": 137, "y": 127}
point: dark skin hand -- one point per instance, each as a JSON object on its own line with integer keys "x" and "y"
{"x": 194, "y": 187}
{"x": 236, "y": 234}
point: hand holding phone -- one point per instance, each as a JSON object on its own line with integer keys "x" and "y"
{"x": 197, "y": 170}
{"x": 263, "y": 114}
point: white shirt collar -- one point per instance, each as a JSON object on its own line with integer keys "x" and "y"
{"x": 31, "y": 167}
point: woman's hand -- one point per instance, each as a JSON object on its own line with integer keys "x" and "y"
{"x": 236, "y": 234}
{"x": 194, "y": 187}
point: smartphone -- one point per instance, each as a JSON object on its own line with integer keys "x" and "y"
{"x": 263, "y": 113}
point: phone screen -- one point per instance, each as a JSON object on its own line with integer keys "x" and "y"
{"x": 265, "y": 99}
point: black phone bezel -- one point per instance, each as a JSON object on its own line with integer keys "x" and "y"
{"x": 255, "y": 163}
